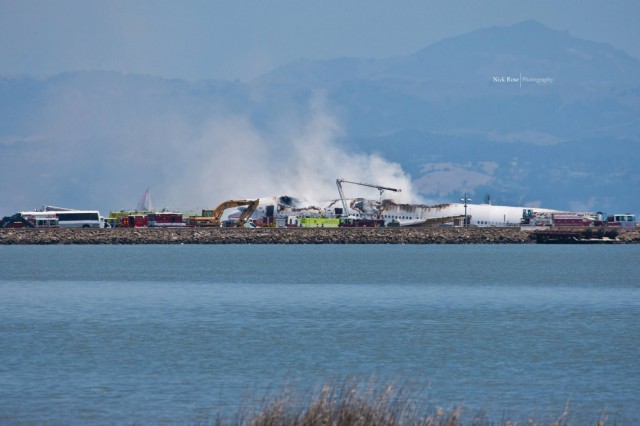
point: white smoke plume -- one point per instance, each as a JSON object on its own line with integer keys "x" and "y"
{"x": 231, "y": 158}
{"x": 99, "y": 141}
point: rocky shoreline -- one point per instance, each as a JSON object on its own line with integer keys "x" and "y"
{"x": 278, "y": 236}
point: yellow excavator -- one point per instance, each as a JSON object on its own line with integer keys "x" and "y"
{"x": 211, "y": 218}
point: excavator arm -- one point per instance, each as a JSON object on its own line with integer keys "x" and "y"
{"x": 217, "y": 212}
{"x": 246, "y": 214}
{"x": 212, "y": 217}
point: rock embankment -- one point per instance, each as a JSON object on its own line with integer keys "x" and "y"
{"x": 276, "y": 236}
{"x": 265, "y": 236}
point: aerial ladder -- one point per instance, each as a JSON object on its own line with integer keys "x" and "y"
{"x": 339, "y": 183}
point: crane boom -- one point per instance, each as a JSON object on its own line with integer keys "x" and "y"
{"x": 246, "y": 214}
{"x": 212, "y": 217}
{"x": 380, "y": 188}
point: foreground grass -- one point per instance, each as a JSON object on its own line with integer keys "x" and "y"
{"x": 349, "y": 404}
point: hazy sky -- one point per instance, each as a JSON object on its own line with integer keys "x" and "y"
{"x": 237, "y": 39}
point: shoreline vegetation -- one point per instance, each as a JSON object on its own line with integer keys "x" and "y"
{"x": 352, "y": 404}
{"x": 420, "y": 235}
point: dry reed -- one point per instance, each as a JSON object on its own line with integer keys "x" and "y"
{"x": 353, "y": 404}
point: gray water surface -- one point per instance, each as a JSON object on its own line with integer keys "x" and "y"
{"x": 161, "y": 334}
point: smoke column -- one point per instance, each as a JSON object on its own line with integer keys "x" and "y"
{"x": 301, "y": 159}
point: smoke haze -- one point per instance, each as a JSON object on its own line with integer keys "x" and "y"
{"x": 301, "y": 157}
{"x": 99, "y": 149}
{"x": 437, "y": 117}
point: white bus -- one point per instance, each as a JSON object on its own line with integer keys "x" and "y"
{"x": 79, "y": 219}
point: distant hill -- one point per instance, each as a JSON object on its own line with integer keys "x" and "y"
{"x": 527, "y": 47}
{"x": 456, "y": 86}
{"x": 524, "y": 113}
{"x": 444, "y": 110}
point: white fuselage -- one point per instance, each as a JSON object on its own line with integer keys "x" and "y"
{"x": 403, "y": 214}
{"x": 477, "y": 214}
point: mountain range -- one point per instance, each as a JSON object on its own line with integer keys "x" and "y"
{"x": 516, "y": 115}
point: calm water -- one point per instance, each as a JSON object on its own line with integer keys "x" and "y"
{"x": 162, "y": 334}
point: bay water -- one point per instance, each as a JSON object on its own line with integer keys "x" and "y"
{"x": 172, "y": 334}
